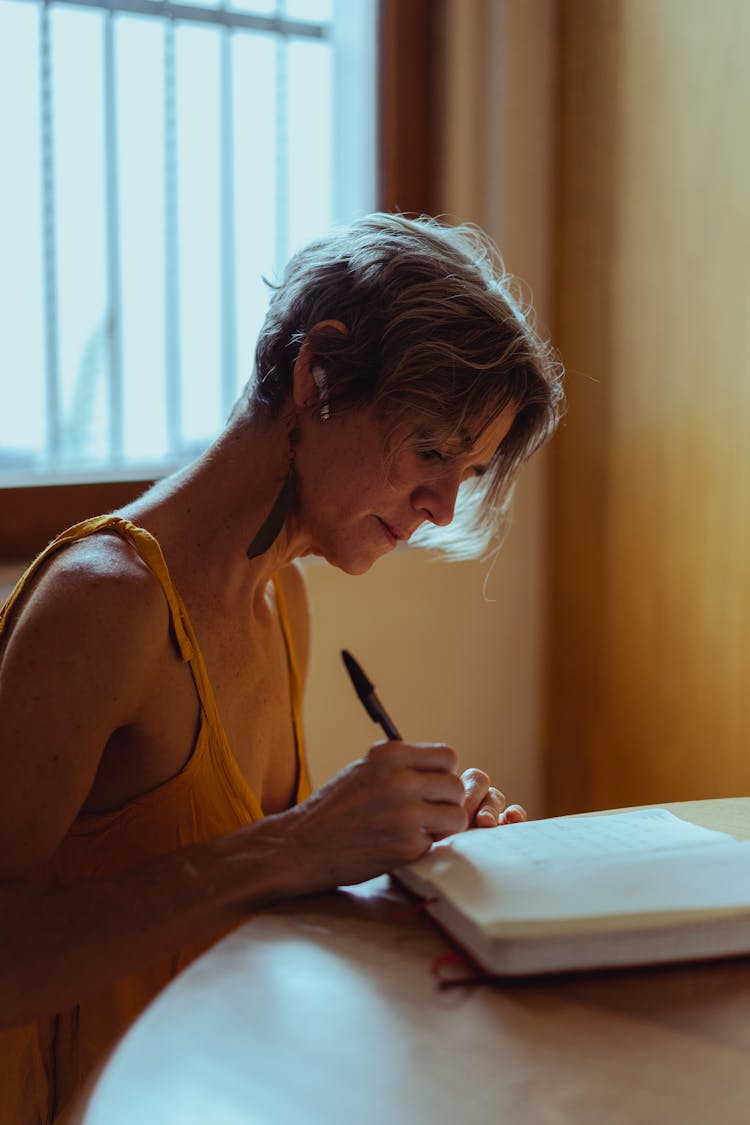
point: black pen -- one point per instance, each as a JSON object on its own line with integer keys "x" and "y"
{"x": 366, "y": 692}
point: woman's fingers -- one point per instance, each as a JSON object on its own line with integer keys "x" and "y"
{"x": 513, "y": 814}
{"x": 485, "y": 804}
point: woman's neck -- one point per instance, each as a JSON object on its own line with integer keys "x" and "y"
{"x": 206, "y": 515}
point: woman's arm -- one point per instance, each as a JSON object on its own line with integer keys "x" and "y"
{"x": 58, "y": 944}
{"x": 76, "y": 667}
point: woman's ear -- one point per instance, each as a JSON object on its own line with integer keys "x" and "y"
{"x": 321, "y": 382}
{"x": 309, "y": 381}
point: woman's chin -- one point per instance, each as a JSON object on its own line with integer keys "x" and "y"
{"x": 354, "y": 566}
{"x": 353, "y": 563}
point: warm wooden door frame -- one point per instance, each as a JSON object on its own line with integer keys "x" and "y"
{"x": 410, "y": 103}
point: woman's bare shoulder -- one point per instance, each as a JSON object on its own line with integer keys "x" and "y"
{"x": 100, "y": 580}
{"x": 78, "y": 662}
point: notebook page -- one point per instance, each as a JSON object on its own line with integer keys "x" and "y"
{"x": 577, "y": 837}
{"x": 673, "y": 883}
{"x": 587, "y": 867}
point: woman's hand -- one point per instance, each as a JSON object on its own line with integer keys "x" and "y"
{"x": 379, "y": 813}
{"x": 485, "y": 805}
{"x": 376, "y": 814}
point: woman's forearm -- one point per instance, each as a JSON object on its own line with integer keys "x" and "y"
{"x": 59, "y": 944}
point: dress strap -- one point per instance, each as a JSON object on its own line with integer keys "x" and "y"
{"x": 148, "y": 549}
{"x": 295, "y": 688}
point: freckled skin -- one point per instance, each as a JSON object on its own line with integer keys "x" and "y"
{"x": 345, "y": 495}
{"x": 72, "y": 742}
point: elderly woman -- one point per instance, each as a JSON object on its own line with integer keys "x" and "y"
{"x": 153, "y": 787}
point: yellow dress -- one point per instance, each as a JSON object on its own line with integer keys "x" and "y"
{"x": 44, "y": 1064}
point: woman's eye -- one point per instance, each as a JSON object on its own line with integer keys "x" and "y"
{"x": 432, "y": 455}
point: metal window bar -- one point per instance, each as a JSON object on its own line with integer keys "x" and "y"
{"x": 113, "y": 317}
{"x": 282, "y": 162}
{"x": 195, "y": 13}
{"x": 172, "y": 357}
{"x": 228, "y": 275}
{"x": 170, "y": 13}
{"x": 53, "y": 427}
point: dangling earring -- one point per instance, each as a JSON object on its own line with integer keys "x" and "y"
{"x": 269, "y": 530}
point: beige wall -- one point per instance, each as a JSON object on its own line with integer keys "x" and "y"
{"x": 448, "y": 664}
{"x": 651, "y": 512}
{"x": 451, "y": 665}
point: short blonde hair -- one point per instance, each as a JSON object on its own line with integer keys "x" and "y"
{"x": 436, "y": 330}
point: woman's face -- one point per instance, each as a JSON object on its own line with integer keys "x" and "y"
{"x": 355, "y": 505}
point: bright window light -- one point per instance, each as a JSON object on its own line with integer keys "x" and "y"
{"x": 159, "y": 161}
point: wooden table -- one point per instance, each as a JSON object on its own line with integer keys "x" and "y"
{"x": 325, "y": 1011}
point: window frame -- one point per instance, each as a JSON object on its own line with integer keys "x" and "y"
{"x": 408, "y": 97}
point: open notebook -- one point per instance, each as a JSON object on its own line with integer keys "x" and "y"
{"x": 569, "y": 893}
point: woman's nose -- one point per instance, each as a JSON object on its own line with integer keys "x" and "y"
{"x": 437, "y": 500}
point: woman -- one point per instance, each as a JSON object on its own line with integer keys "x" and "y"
{"x": 153, "y": 788}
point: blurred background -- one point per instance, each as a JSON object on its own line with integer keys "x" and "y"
{"x": 159, "y": 160}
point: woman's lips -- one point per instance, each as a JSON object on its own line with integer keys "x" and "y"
{"x": 390, "y": 534}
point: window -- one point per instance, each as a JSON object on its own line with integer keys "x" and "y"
{"x": 159, "y": 161}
